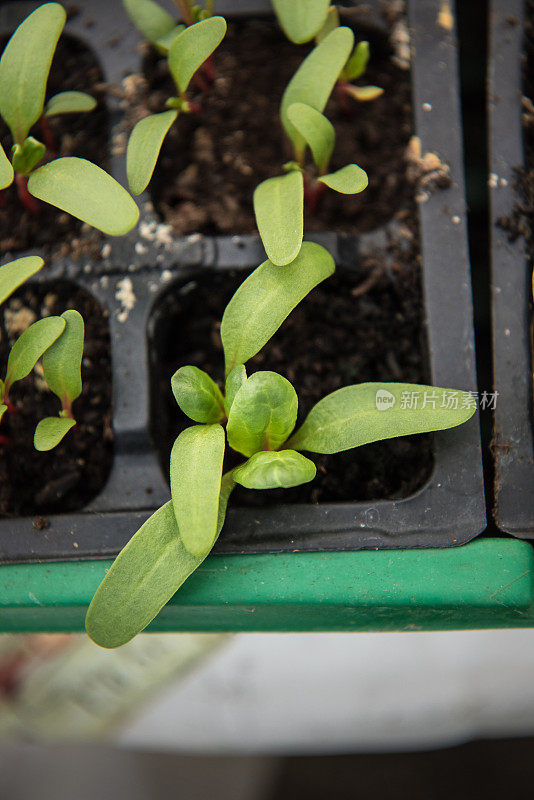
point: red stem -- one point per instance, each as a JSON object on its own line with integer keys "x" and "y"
{"x": 209, "y": 70}
{"x": 48, "y": 136}
{"x": 30, "y": 203}
{"x": 312, "y": 193}
{"x": 342, "y": 97}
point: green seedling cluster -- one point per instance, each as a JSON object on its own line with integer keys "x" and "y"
{"x": 158, "y": 26}
{"x": 254, "y": 416}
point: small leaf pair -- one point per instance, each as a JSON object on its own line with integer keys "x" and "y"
{"x": 187, "y": 52}
{"x": 158, "y": 26}
{"x": 74, "y": 185}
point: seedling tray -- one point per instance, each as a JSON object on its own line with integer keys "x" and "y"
{"x": 511, "y": 280}
{"x": 448, "y": 510}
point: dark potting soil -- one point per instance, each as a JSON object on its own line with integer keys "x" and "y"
{"x": 362, "y": 325}
{"x": 66, "y": 478}
{"x": 51, "y": 231}
{"x": 212, "y": 161}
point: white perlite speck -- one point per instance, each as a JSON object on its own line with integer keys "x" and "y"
{"x": 126, "y": 297}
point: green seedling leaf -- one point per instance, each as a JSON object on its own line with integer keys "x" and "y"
{"x": 234, "y": 382}
{"x": 50, "y": 431}
{"x": 370, "y": 412}
{"x": 149, "y": 18}
{"x": 62, "y": 362}
{"x": 6, "y": 170}
{"x": 87, "y": 192}
{"x": 347, "y": 180}
{"x": 24, "y": 68}
{"x": 263, "y": 414}
{"x": 198, "y": 395}
{"x": 266, "y": 298}
{"x": 316, "y": 130}
{"x": 314, "y": 80}
{"x": 164, "y": 42}
{"x": 196, "y": 471}
{"x": 364, "y": 93}
{"x": 272, "y": 470}
{"x": 357, "y": 63}
{"x": 279, "y": 210}
{"x": 27, "y": 155}
{"x": 14, "y": 273}
{"x": 69, "y": 103}
{"x": 192, "y": 47}
{"x": 3, "y": 410}
{"x": 331, "y": 22}
{"x": 301, "y": 19}
{"x": 143, "y": 149}
{"x": 30, "y": 346}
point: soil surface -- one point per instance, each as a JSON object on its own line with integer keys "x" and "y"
{"x": 66, "y": 478}
{"x": 212, "y": 161}
{"x": 74, "y": 67}
{"x": 361, "y": 325}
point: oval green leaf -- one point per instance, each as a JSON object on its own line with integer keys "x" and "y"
{"x": 196, "y": 471}
{"x": 234, "y": 382}
{"x": 50, "y": 431}
{"x": 317, "y": 131}
{"x": 30, "y": 346}
{"x": 285, "y": 468}
{"x": 144, "y": 146}
{"x": 24, "y": 68}
{"x": 87, "y": 192}
{"x": 149, "y": 18}
{"x": 370, "y": 412}
{"x": 6, "y": 170}
{"x": 279, "y": 210}
{"x": 27, "y": 155}
{"x": 263, "y": 413}
{"x": 69, "y": 103}
{"x": 62, "y": 362}
{"x": 198, "y": 395}
{"x": 347, "y": 180}
{"x": 192, "y": 47}
{"x": 357, "y": 63}
{"x": 14, "y": 273}
{"x": 364, "y": 93}
{"x": 301, "y": 19}
{"x": 314, "y": 80}
{"x": 266, "y": 298}
{"x": 331, "y": 22}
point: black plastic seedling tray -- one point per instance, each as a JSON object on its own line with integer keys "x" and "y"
{"x": 449, "y": 509}
{"x": 511, "y": 279}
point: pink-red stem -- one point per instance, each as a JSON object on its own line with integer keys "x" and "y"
{"x": 30, "y": 203}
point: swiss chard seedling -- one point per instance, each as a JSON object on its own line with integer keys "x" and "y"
{"x": 255, "y": 416}
{"x": 74, "y": 185}
{"x": 160, "y": 28}
{"x": 187, "y": 52}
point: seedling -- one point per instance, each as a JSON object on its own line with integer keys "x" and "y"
{"x": 74, "y": 185}
{"x": 187, "y": 52}
{"x": 159, "y": 27}
{"x": 301, "y": 20}
{"x": 256, "y": 418}
{"x": 279, "y": 201}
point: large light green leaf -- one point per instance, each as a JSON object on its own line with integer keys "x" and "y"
{"x": 62, "y": 362}
{"x": 6, "y": 170}
{"x": 347, "y": 180}
{"x": 265, "y": 299}
{"x": 69, "y": 103}
{"x": 331, "y": 22}
{"x": 24, "y": 68}
{"x": 50, "y": 431}
{"x": 314, "y": 80}
{"x": 234, "y": 382}
{"x": 263, "y": 413}
{"x": 196, "y": 471}
{"x": 301, "y": 19}
{"x": 271, "y": 470}
{"x": 144, "y": 146}
{"x": 279, "y": 210}
{"x": 30, "y": 346}
{"x": 87, "y": 192}
{"x": 14, "y": 273}
{"x": 192, "y": 47}
{"x": 144, "y": 576}
{"x": 198, "y": 395}
{"x": 149, "y": 18}
{"x": 316, "y": 129}
{"x": 369, "y": 412}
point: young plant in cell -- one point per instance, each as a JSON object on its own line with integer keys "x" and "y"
{"x": 279, "y": 201}
{"x": 160, "y": 28}
{"x": 301, "y": 20}
{"x": 74, "y": 185}
{"x": 255, "y": 416}
{"x": 187, "y": 52}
